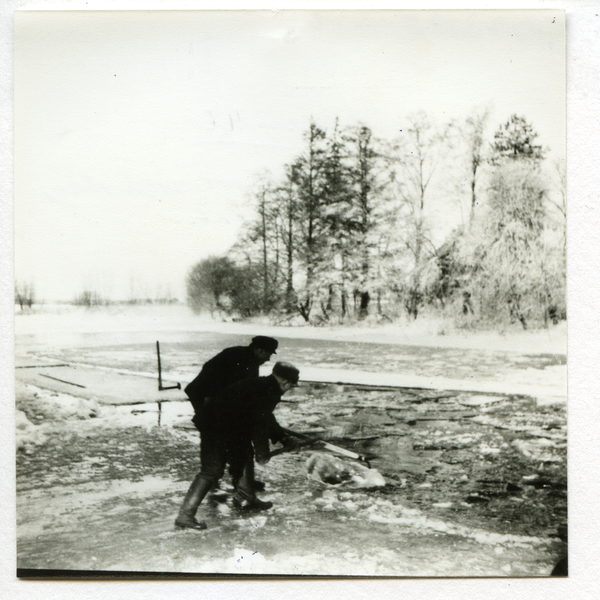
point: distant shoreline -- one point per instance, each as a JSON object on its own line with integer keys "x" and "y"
{"x": 62, "y": 319}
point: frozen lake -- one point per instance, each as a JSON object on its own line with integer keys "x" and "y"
{"x": 475, "y": 482}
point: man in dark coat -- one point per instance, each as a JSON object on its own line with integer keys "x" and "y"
{"x": 227, "y": 367}
{"x": 235, "y": 427}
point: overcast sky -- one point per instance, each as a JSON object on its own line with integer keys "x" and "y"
{"x": 138, "y": 135}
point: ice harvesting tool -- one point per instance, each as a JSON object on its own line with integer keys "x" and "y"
{"x": 301, "y": 444}
{"x": 306, "y": 440}
{"x": 160, "y": 385}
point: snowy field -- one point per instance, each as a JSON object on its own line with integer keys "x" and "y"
{"x": 467, "y": 435}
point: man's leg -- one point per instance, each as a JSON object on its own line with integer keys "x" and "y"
{"x": 246, "y": 488}
{"x": 212, "y": 462}
{"x": 196, "y": 493}
{"x": 258, "y": 486}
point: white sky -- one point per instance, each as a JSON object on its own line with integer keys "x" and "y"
{"x": 138, "y": 135}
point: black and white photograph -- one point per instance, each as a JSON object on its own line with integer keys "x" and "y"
{"x": 290, "y": 293}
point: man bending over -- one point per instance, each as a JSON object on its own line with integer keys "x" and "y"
{"x": 235, "y": 428}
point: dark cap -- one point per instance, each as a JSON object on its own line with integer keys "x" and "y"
{"x": 266, "y": 343}
{"x": 287, "y": 372}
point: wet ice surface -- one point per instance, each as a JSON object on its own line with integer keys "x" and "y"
{"x": 124, "y": 337}
{"x": 531, "y": 363}
{"x": 182, "y": 360}
{"x": 475, "y": 483}
{"x": 101, "y": 492}
{"x": 542, "y": 376}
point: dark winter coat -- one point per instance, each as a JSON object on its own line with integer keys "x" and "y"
{"x": 241, "y": 416}
{"x": 229, "y": 366}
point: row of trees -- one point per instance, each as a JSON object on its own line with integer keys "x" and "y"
{"x": 358, "y": 227}
{"x": 25, "y": 297}
{"x": 90, "y": 297}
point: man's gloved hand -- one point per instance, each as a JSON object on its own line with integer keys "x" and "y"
{"x": 289, "y": 442}
{"x": 262, "y": 459}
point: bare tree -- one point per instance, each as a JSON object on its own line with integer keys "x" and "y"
{"x": 558, "y": 200}
{"x": 286, "y": 200}
{"x": 262, "y": 231}
{"x": 261, "y": 245}
{"x": 24, "y": 294}
{"x": 415, "y": 158}
{"x": 90, "y": 297}
{"x": 471, "y": 139}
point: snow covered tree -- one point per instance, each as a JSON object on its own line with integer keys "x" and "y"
{"x": 414, "y": 159}
{"x": 330, "y": 275}
{"x": 515, "y": 140}
{"x": 509, "y": 267}
{"x": 366, "y": 188}
{"x": 557, "y": 201}
{"x": 468, "y": 139}
{"x": 286, "y": 205}
{"x": 307, "y": 176}
{"x": 353, "y": 219}
{"x": 261, "y": 247}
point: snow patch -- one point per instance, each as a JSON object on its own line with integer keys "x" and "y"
{"x": 332, "y": 471}
{"x": 412, "y": 518}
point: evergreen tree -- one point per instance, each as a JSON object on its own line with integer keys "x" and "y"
{"x": 515, "y": 140}
{"x": 364, "y": 170}
{"x": 338, "y": 221}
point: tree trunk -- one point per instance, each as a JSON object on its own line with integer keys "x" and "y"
{"x": 265, "y": 265}
{"x": 289, "y": 290}
{"x": 365, "y": 298}
{"x": 304, "y": 309}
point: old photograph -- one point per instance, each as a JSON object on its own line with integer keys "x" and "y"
{"x": 290, "y": 293}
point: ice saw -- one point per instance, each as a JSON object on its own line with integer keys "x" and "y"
{"x": 307, "y": 440}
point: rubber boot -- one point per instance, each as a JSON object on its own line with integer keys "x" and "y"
{"x": 259, "y": 486}
{"x": 246, "y": 489}
{"x": 186, "y": 519}
{"x": 255, "y": 505}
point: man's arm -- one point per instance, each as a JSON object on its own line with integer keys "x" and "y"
{"x": 270, "y": 429}
{"x": 265, "y": 398}
{"x": 276, "y": 432}
{"x": 260, "y": 437}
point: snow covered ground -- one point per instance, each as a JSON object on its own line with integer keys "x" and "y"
{"x": 60, "y": 320}
{"x": 98, "y": 487}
